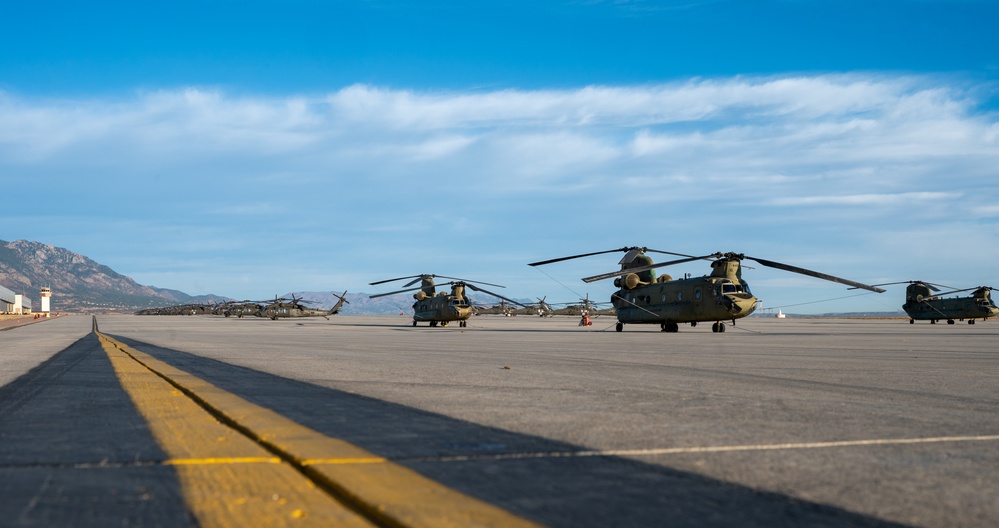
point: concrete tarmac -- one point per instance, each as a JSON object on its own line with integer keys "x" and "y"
{"x": 793, "y": 422}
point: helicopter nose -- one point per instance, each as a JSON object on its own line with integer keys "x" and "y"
{"x": 740, "y": 305}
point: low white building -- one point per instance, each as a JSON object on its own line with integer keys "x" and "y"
{"x": 14, "y": 303}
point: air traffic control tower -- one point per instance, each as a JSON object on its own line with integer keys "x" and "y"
{"x": 46, "y": 295}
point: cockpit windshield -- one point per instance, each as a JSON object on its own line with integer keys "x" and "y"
{"x": 731, "y": 287}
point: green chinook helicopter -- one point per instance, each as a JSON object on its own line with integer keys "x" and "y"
{"x": 723, "y": 295}
{"x": 440, "y": 308}
{"x": 923, "y": 302}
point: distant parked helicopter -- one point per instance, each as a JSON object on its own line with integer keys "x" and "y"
{"x": 497, "y": 309}
{"x": 584, "y": 307}
{"x": 922, "y": 302}
{"x": 541, "y": 308}
{"x": 441, "y": 308}
{"x": 645, "y": 299}
{"x": 180, "y": 309}
{"x": 239, "y": 308}
{"x": 295, "y": 307}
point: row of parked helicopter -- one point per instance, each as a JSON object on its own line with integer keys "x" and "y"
{"x": 278, "y": 308}
{"x": 643, "y": 297}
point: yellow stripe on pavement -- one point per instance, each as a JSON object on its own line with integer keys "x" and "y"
{"x": 386, "y": 492}
{"x": 227, "y": 480}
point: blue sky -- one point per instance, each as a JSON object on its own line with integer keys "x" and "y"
{"x": 254, "y": 148}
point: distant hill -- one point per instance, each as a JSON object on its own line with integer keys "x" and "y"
{"x": 78, "y": 283}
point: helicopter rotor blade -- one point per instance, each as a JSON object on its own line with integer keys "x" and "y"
{"x": 466, "y": 281}
{"x": 395, "y": 279}
{"x": 649, "y": 250}
{"x": 483, "y": 290}
{"x": 418, "y": 279}
{"x": 959, "y": 291}
{"x": 936, "y": 287}
{"x": 551, "y": 261}
{"x": 633, "y": 249}
{"x": 394, "y": 292}
{"x": 930, "y": 285}
{"x": 816, "y": 274}
{"x": 646, "y": 268}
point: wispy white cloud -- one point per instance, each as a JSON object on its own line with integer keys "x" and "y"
{"x": 695, "y": 163}
{"x": 914, "y": 199}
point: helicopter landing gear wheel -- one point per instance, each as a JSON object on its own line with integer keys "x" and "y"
{"x": 912, "y": 321}
{"x": 462, "y": 324}
{"x": 950, "y": 321}
{"x": 619, "y": 327}
{"x": 414, "y": 323}
{"x": 718, "y": 327}
{"x": 671, "y": 327}
{"x": 971, "y": 321}
{"x": 433, "y": 324}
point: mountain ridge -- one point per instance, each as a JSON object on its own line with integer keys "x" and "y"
{"x": 79, "y": 284}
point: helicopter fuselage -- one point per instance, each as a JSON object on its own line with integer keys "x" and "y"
{"x": 644, "y": 298}
{"x": 280, "y": 312}
{"x": 441, "y": 309}
{"x": 669, "y": 302}
{"x": 240, "y": 310}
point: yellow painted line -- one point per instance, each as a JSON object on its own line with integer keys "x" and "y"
{"x": 227, "y": 480}
{"x": 384, "y": 491}
{"x": 227, "y": 460}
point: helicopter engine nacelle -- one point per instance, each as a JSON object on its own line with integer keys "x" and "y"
{"x": 917, "y": 292}
{"x": 630, "y": 282}
{"x": 420, "y": 295}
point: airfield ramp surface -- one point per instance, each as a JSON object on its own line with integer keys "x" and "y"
{"x": 817, "y": 422}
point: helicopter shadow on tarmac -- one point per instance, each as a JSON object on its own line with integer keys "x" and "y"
{"x": 555, "y": 491}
